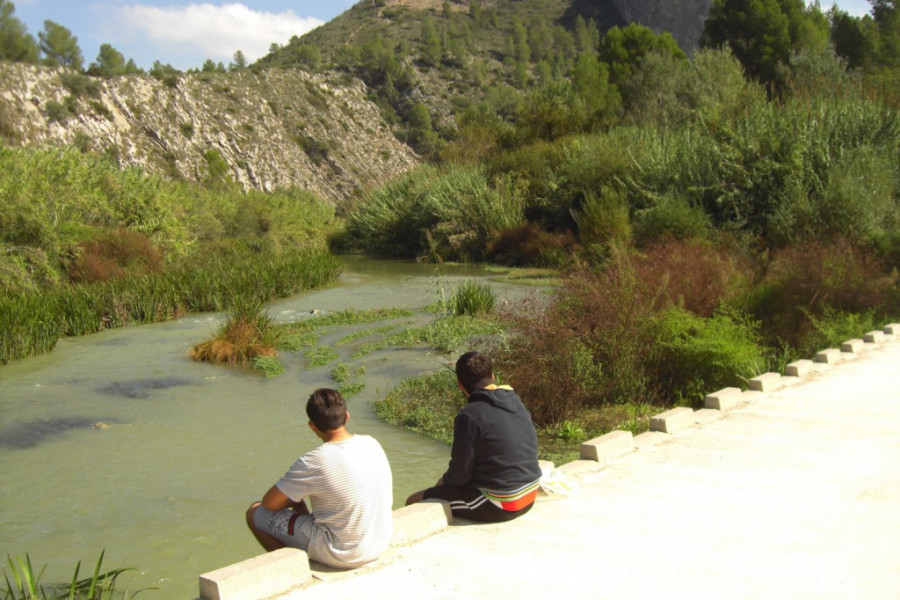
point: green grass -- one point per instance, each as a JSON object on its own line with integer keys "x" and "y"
{"x": 445, "y": 333}
{"x": 22, "y": 583}
{"x": 363, "y": 333}
{"x": 320, "y": 356}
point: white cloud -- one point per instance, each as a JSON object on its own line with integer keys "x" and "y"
{"x": 210, "y": 31}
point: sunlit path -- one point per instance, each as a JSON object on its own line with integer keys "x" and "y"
{"x": 792, "y": 494}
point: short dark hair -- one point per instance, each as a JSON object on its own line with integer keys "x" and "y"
{"x": 327, "y": 409}
{"x": 474, "y": 371}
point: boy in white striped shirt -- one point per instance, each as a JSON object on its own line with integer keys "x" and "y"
{"x": 348, "y": 483}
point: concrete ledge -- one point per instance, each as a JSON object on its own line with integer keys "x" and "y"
{"x": 420, "y": 520}
{"x": 262, "y": 576}
{"x": 648, "y": 439}
{"x": 580, "y": 468}
{"x": 788, "y": 380}
{"x": 852, "y": 346}
{"x": 611, "y": 445}
{"x": 800, "y": 368}
{"x": 767, "y": 382}
{"x": 751, "y": 395}
{"x": 724, "y": 399}
{"x": 707, "y": 415}
{"x": 831, "y": 356}
{"x": 673, "y": 420}
{"x": 892, "y": 329}
{"x": 874, "y": 337}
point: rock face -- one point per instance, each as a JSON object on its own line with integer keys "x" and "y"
{"x": 273, "y": 129}
{"x": 684, "y": 20}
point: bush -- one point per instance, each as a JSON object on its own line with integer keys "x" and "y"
{"x": 693, "y": 356}
{"x": 112, "y": 255}
{"x": 803, "y": 283}
{"x": 671, "y": 217}
{"x": 693, "y": 274}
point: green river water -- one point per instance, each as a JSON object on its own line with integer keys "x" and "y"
{"x": 119, "y": 441}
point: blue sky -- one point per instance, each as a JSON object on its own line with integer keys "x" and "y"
{"x": 186, "y": 33}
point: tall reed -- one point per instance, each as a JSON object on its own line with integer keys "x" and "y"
{"x": 33, "y": 322}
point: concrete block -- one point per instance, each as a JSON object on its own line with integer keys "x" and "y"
{"x": 580, "y": 468}
{"x": 672, "y": 420}
{"x": 874, "y": 337}
{"x": 420, "y": 520}
{"x": 611, "y": 445}
{"x": 800, "y": 368}
{"x": 259, "y": 577}
{"x": 829, "y": 357}
{"x": 724, "y": 399}
{"x": 892, "y": 329}
{"x": 853, "y": 346}
{"x": 767, "y": 382}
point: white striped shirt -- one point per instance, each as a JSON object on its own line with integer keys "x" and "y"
{"x": 350, "y": 490}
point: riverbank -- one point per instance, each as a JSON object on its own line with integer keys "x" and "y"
{"x": 788, "y": 493}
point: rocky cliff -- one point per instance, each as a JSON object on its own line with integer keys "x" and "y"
{"x": 684, "y": 19}
{"x": 272, "y": 129}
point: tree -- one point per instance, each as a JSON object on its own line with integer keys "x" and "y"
{"x": 591, "y": 80}
{"x": 421, "y": 136}
{"x": 210, "y": 66}
{"x": 762, "y": 34}
{"x": 110, "y": 62}
{"x": 849, "y": 39}
{"x": 239, "y": 62}
{"x": 886, "y": 15}
{"x": 431, "y": 41}
{"x": 587, "y": 36}
{"x": 60, "y": 47}
{"x": 623, "y": 49}
{"x": 16, "y": 44}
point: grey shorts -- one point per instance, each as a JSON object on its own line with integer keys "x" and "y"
{"x": 284, "y": 525}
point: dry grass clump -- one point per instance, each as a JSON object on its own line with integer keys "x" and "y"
{"x": 247, "y": 334}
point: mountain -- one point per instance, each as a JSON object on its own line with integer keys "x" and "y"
{"x": 332, "y": 110}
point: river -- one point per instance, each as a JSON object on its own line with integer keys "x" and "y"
{"x": 119, "y": 441}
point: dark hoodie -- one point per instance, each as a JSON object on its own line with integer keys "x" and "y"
{"x": 494, "y": 443}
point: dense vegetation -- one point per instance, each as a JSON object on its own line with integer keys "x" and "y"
{"x": 716, "y": 217}
{"x": 88, "y": 246}
{"x": 715, "y": 213}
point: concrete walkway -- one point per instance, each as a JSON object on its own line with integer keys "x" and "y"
{"x": 793, "y": 493}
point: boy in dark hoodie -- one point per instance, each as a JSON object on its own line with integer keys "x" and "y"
{"x": 494, "y": 473}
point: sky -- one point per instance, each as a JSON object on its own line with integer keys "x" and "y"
{"x": 187, "y": 33}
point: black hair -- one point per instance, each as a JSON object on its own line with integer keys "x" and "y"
{"x": 474, "y": 371}
{"x": 327, "y": 409}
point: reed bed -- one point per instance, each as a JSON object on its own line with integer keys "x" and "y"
{"x": 33, "y": 322}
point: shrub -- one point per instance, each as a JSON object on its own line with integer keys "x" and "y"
{"x": 693, "y": 274}
{"x": 112, "y": 255}
{"x": 693, "y": 356}
{"x": 528, "y": 244}
{"x": 802, "y": 283}
{"x": 671, "y": 217}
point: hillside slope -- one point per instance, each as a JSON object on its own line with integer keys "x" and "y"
{"x": 273, "y": 129}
